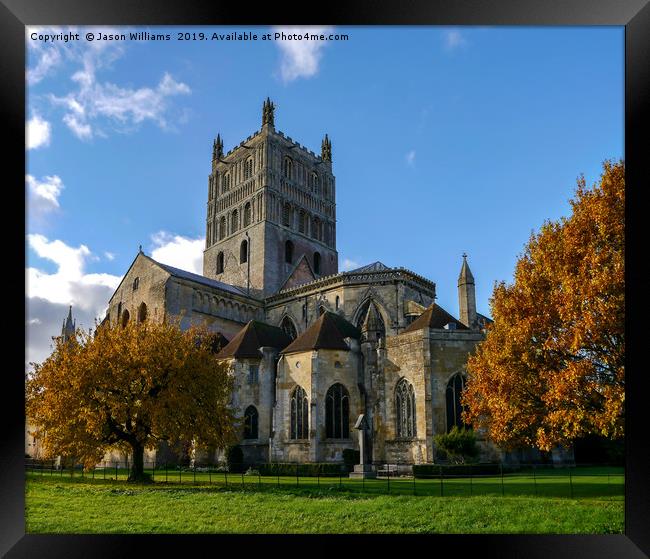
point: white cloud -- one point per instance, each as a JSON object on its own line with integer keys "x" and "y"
{"x": 109, "y": 256}
{"x": 410, "y": 158}
{"x": 180, "y": 252}
{"x": 82, "y": 131}
{"x": 124, "y": 107}
{"x": 454, "y": 39}
{"x": 300, "y": 58}
{"x": 348, "y": 265}
{"x": 69, "y": 284}
{"x": 44, "y": 193}
{"x": 49, "y": 294}
{"x": 37, "y": 132}
{"x": 49, "y": 55}
{"x": 93, "y": 104}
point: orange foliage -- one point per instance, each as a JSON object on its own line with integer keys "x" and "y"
{"x": 129, "y": 388}
{"x": 551, "y": 368}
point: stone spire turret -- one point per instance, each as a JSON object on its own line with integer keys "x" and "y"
{"x": 69, "y": 326}
{"x": 467, "y": 296}
{"x": 268, "y": 113}
{"x": 371, "y": 326}
{"x": 326, "y": 149}
{"x": 217, "y": 149}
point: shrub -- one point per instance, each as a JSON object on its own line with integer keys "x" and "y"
{"x": 458, "y": 444}
{"x": 351, "y": 457}
{"x": 435, "y": 470}
{"x": 235, "y": 459}
{"x": 302, "y": 470}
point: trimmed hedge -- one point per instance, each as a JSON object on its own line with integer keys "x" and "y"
{"x": 235, "y": 459}
{"x": 433, "y": 470}
{"x": 303, "y": 470}
{"x": 351, "y": 457}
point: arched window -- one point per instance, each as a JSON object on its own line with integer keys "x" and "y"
{"x": 302, "y": 221}
{"x": 136, "y": 284}
{"x": 317, "y": 262}
{"x": 251, "y": 420}
{"x": 326, "y": 233}
{"x": 299, "y": 414}
{"x": 338, "y": 300}
{"x": 125, "y": 318}
{"x": 287, "y": 167}
{"x": 288, "y": 252}
{"x": 315, "y": 183}
{"x": 243, "y": 252}
{"x": 337, "y": 412}
{"x": 286, "y": 215}
{"x": 222, "y": 227}
{"x": 220, "y": 263}
{"x": 226, "y": 182}
{"x": 405, "y": 409}
{"x": 247, "y": 214}
{"x": 455, "y": 387}
{"x": 248, "y": 168}
{"x": 119, "y": 311}
{"x": 315, "y": 229}
{"x": 142, "y": 312}
{"x": 234, "y": 221}
{"x": 288, "y": 327}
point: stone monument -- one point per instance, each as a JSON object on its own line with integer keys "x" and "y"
{"x": 362, "y": 470}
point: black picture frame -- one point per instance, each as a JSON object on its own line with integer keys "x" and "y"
{"x": 633, "y": 14}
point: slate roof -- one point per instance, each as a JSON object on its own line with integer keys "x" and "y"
{"x": 328, "y": 332}
{"x": 177, "y": 272}
{"x": 252, "y": 337}
{"x": 433, "y": 317}
{"x": 374, "y": 267}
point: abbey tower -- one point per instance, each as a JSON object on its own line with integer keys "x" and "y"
{"x": 271, "y": 207}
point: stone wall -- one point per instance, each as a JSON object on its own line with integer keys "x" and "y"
{"x": 315, "y": 372}
{"x": 150, "y": 290}
{"x": 390, "y": 299}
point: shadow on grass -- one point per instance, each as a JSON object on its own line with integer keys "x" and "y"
{"x": 600, "y": 487}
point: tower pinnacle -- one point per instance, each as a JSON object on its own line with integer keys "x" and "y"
{"x": 326, "y": 149}
{"x": 69, "y": 326}
{"x": 467, "y": 295}
{"x": 217, "y": 148}
{"x": 268, "y": 113}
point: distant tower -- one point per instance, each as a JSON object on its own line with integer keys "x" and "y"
{"x": 467, "y": 296}
{"x": 270, "y": 201}
{"x": 69, "y": 327}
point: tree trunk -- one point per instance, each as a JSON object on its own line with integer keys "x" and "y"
{"x": 137, "y": 466}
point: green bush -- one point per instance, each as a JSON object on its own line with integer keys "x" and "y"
{"x": 302, "y": 470}
{"x": 459, "y": 445}
{"x": 435, "y": 470}
{"x": 235, "y": 459}
{"x": 351, "y": 457}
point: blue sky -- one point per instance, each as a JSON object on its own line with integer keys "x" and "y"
{"x": 444, "y": 140}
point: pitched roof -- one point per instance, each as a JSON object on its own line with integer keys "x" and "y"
{"x": 328, "y": 332}
{"x": 252, "y": 337}
{"x": 177, "y": 272}
{"x": 300, "y": 274}
{"x": 434, "y": 317}
{"x": 374, "y": 267}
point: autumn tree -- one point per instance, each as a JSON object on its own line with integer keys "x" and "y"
{"x": 130, "y": 388}
{"x": 551, "y": 368}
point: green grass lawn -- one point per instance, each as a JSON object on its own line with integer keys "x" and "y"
{"x": 252, "y": 504}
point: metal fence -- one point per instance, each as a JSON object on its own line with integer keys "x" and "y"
{"x": 581, "y": 481}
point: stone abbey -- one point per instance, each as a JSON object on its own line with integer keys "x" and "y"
{"x": 310, "y": 348}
